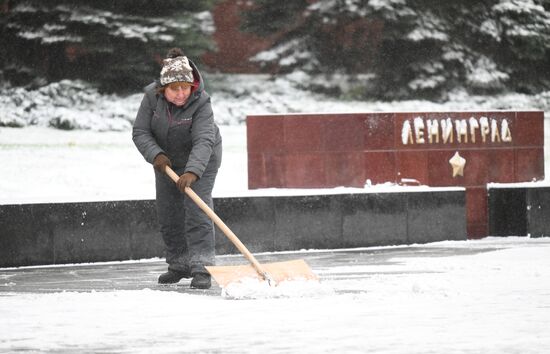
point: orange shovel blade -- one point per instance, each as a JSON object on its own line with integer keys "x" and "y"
{"x": 278, "y": 271}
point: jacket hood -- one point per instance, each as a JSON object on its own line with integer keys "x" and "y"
{"x": 198, "y": 77}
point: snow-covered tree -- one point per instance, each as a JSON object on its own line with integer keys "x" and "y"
{"x": 404, "y": 48}
{"x": 114, "y": 44}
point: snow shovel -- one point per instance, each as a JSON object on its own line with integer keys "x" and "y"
{"x": 273, "y": 273}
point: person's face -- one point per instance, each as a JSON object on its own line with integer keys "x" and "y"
{"x": 178, "y": 93}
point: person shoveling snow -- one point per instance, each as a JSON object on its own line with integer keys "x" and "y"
{"x": 272, "y": 273}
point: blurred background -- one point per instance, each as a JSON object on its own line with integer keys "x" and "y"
{"x": 72, "y": 74}
{"x": 350, "y": 49}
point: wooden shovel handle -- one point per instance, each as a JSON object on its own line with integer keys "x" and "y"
{"x": 222, "y": 226}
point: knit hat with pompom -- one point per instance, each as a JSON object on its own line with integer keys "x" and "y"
{"x": 176, "y": 70}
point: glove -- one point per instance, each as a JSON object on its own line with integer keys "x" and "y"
{"x": 160, "y": 162}
{"x": 186, "y": 180}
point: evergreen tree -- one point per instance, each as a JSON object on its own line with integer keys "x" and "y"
{"x": 116, "y": 45}
{"x": 408, "y": 49}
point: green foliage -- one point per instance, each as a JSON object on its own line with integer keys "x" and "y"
{"x": 416, "y": 49}
{"x": 268, "y": 17}
{"x": 116, "y": 45}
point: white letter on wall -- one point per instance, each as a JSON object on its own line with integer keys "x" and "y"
{"x": 433, "y": 131}
{"x": 473, "y": 126}
{"x": 505, "y": 132}
{"x": 419, "y": 130}
{"x": 495, "y": 136}
{"x": 484, "y": 128}
{"x": 406, "y": 133}
{"x": 461, "y": 128}
{"x": 447, "y": 130}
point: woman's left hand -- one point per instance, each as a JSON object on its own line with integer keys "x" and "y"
{"x": 186, "y": 180}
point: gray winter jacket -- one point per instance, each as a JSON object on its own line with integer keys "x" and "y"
{"x": 188, "y": 135}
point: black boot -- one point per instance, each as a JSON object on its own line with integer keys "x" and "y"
{"x": 201, "y": 281}
{"x": 173, "y": 276}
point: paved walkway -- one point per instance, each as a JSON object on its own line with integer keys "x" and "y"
{"x": 140, "y": 275}
{"x": 488, "y": 296}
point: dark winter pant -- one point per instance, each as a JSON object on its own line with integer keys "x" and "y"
{"x": 187, "y": 231}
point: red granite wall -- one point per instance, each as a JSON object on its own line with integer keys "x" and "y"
{"x": 330, "y": 150}
{"x": 234, "y": 47}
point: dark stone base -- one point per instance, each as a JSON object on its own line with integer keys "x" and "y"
{"x": 519, "y": 211}
{"x": 33, "y": 234}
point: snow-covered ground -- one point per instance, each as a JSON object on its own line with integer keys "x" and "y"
{"x": 50, "y": 165}
{"x": 485, "y": 296}
{"x": 98, "y": 161}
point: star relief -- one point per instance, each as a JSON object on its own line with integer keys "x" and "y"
{"x": 457, "y": 163}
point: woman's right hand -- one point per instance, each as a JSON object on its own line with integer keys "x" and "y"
{"x": 160, "y": 162}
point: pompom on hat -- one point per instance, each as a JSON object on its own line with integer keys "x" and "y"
{"x": 176, "y": 70}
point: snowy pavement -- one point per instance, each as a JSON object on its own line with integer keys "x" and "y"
{"x": 483, "y": 296}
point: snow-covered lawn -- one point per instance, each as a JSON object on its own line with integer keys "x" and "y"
{"x": 51, "y": 165}
{"x": 100, "y": 162}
